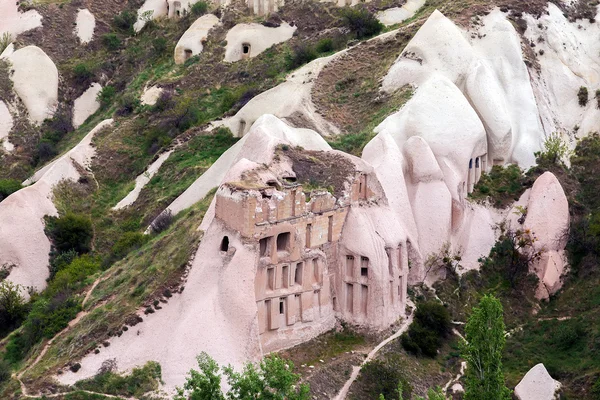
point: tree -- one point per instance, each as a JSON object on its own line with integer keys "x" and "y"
{"x": 204, "y": 384}
{"x": 482, "y": 349}
{"x": 272, "y": 379}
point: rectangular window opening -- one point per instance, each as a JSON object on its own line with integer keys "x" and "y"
{"x": 298, "y": 273}
{"x": 350, "y": 266}
{"x": 330, "y": 229}
{"x": 271, "y": 278}
{"x": 283, "y": 241}
{"x": 285, "y": 276}
{"x": 282, "y": 306}
{"x": 308, "y": 235}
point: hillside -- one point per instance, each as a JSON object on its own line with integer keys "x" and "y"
{"x": 295, "y": 178}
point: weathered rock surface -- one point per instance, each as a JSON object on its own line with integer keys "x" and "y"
{"x": 15, "y": 22}
{"x": 85, "y": 25}
{"x": 191, "y": 43}
{"x": 86, "y": 105}
{"x": 395, "y": 15}
{"x": 35, "y": 81}
{"x": 537, "y": 384}
{"x": 548, "y": 221}
{"x": 249, "y": 40}
{"x": 151, "y": 95}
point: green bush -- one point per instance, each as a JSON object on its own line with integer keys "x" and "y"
{"x": 128, "y": 104}
{"x": 160, "y": 45}
{"x": 125, "y": 21}
{"x": 106, "y": 95}
{"x": 5, "y": 371}
{"x": 555, "y": 152}
{"x": 361, "y": 22}
{"x": 139, "y": 382}
{"x": 61, "y": 261}
{"x": 8, "y": 187}
{"x": 325, "y": 45}
{"x": 82, "y": 73}
{"x": 72, "y": 277}
{"x": 300, "y": 55}
{"x": 582, "y": 96}
{"x": 503, "y": 185}
{"x": 13, "y": 308}
{"x": 379, "y": 377}
{"x": 48, "y": 316}
{"x": 199, "y": 8}
{"x": 70, "y": 232}
{"x": 431, "y": 324}
{"x": 111, "y": 41}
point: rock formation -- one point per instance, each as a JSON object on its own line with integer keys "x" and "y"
{"x": 35, "y": 80}
{"x": 85, "y": 25}
{"x": 191, "y": 43}
{"x": 86, "y": 105}
{"x": 249, "y": 40}
{"x": 395, "y": 15}
{"x": 547, "y": 218}
{"x": 15, "y": 22}
{"x": 537, "y": 384}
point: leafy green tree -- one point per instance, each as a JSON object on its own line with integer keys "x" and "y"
{"x": 272, "y": 379}
{"x": 482, "y": 349}
{"x": 70, "y": 232}
{"x": 204, "y": 384}
{"x": 13, "y": 308}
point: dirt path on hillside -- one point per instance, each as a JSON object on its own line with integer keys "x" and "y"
{"x": 356, "y": 369}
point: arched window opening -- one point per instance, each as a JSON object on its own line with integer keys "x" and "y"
{"x": 225, "y": 243}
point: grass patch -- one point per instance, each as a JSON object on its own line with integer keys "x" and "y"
{"x": 139, "y": 382}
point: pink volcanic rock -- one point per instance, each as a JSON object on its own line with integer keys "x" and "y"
{"x": 548, "y": 220}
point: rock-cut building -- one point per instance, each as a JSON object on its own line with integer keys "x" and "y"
{"x": 313, "y": 257}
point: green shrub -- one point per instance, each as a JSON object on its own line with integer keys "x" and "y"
{"x": 72, "y": 277}
{"x": 111, "y": 41}
{"x": 582, "y": 96}
{"x": 13, "y": 308}
{"x": 325, "y": 45}
{"x": 598, "y": 98}
{"x": 300, "y": 55}
{"x": 5, "y": 372}
{"x": 139, "y": 382}
{"x": 199, "y": 8}
{"x": 70, "y": 232}
{"x": 125, "y": 21}
{"x": 160, "y": 45}
{"x": 503, "y": 185}
{"x": 8, "y": 187}
{"x": 61, "y": 261}
{"x": 106, "y": 95}
{"x": 430, "y": 325}
{"x": 379, "y": 377}
{"x": 568, "y": 334}
{"x": 82, "y": 73}
{"x": 556, "y": 150}
{"x": 48, "y": 316}
{"x": 128, "y": 103}
{"x": 361, "y": 22}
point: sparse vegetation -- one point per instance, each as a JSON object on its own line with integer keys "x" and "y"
{"x": 138, "y": 383}
{"x": 13, "y": 308}
{"x": 106, "y": 95}
{"x": 111, "y": 41}
{"x": 582, "y": 96}
{"x": 556, "y": 151}
{"x": 70, "y": 232}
